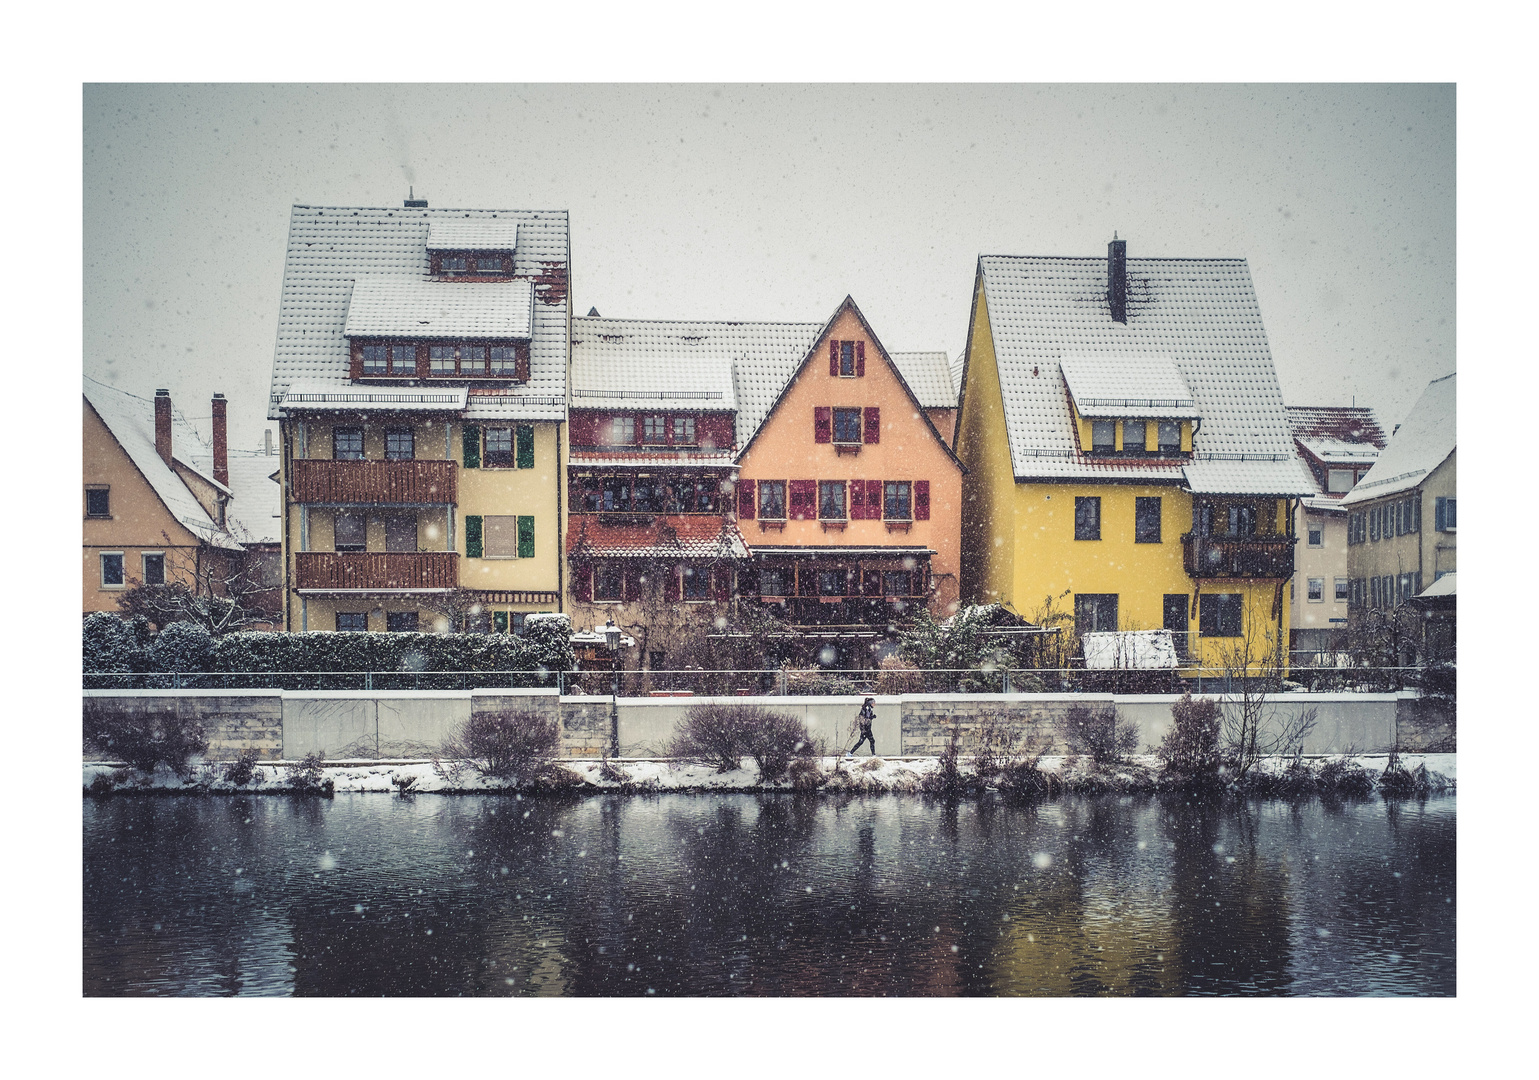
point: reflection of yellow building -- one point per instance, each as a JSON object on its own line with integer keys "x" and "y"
{"x": 1128, "y": 451}
{"x": 421, "y": 380}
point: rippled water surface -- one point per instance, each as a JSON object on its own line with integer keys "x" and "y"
{"x": 745, "y": 894}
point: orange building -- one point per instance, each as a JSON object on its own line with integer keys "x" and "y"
{"x": 848, "y": 497}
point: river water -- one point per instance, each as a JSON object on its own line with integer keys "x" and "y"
{"x": 748, "y": 894}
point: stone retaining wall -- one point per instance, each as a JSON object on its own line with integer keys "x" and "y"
{"x": 234, "y": 720}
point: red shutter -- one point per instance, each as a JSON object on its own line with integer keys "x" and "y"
{"x": 857, "y": 500}
{"x": 833, "y": 361}
{"x": 745, "y": 506}
{"x": 921, "y": 500}
{"x": 822, "y": 424}
{"x": 871, "y": 430}
{"x": 860, "y": 358}
{"x": 521, "y": 361}
{"x": 632, "y": 583}
{"x": 874, "y": 499}
{"x": 671, "y": 589}
{"x": 804, "y": 500}
{"x": 721, "y": 582}
{"x": 582, "y": 583}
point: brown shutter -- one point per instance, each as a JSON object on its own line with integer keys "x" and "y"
{"x": 672, "y": 591}
{"x": 860, "y": 358}
{"x": 857, "y": 500}
{"x": 921, "y": 500}
{"x": 424, "y": 365}
{"x": 745, "y": 503}
{"x": 521, "y": 361}
{"x": 871, "y": 429}
{"x": 721, "y": 582}
{"x": 833, "y": 360}
{"x": 822, "y": 424}
{"x": 804, "y": 500}
{"x": 582, "y": 583}
{"x": 355, "y": 363}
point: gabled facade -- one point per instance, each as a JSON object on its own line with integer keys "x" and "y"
{"x": 848, "y": 497}
{"x": 1129, "y": 458}
{"x": 154, "y": 511}
{"x": 1338, "y": 445}
{"x": 1402, "y": 517}
{"x": 420, "y": 378}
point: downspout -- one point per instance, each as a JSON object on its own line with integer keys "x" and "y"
{"x": 560, "y": 529}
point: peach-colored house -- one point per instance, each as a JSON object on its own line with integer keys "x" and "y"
{"x": 848, "y": 496}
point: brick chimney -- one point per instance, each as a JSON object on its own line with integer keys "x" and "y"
{"x": 1117, "y": 279}
{"x": 163, "y": 425}
{"x": 221, "y": 442}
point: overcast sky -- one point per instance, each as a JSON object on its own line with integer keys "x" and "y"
{"x": 773, "y": 202}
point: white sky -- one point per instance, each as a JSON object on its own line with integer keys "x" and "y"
{"x": 773, "y": 202}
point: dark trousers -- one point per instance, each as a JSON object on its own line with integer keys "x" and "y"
{"x": 865, "y": 734}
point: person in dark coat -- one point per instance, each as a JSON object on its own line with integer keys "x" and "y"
{"x": 867, "y": 715}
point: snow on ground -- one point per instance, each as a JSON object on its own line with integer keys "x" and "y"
{"x": 864, "y": 774}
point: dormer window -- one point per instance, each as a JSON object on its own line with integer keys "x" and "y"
{"x": 654, "y": 430}
{"x": 684, "y": 430}
{"x": 1170, "y": 436}
{"x": 1103, "y": 436}
{"x": 458, "y": 264}
{"x": 1134, "y": 434}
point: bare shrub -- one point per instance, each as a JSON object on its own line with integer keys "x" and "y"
{"x": 101, "y": 785}
{"x": 505, "y": 744}
{"x": 807, "y": 774}
{"x": 1343, "y": 777}
{"x": 145, "y": 740}
{"x": 778, "y": 741}
{"x": 995, "y": 746}
{"x": 723, "y": 734}
{"x": 552, "y": 778}
{"x": 611, "y": 772}
{"x": 1101, "y": 731}
{"x": 897, "y": 677}
{"x": 405, "y": 783}
{"x": 240, "y": 771}
{"x": 948, "y": 779}
{"x": 307, "y": 777}
{"x": 1190, "y": 749}
{"x": 1024, "y": 778}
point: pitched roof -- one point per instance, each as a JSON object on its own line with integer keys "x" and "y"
{"x": 690, "y": 536}
{"x": 1199, "y": 316}
{"x": 131, "y": 419}
{"x": 407, "y": 306}
{"x": 475, "y": 234}
{"x": 928, "y": 375}
{"x": 331, "y": 248}
{"x": 1422, "y": 443}
{"x": 1353, "y": 424}
{"x": 1130, "y": 386}
{"x": 255, "y": 513}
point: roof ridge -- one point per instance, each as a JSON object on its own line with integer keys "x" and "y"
{"x": 1131, "y": 258}
{"x": 709, "y": 322}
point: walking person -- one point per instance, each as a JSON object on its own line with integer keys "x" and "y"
{"x": 867, "y": 715}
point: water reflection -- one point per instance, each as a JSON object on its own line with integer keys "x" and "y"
{"x": 744, "y": 894}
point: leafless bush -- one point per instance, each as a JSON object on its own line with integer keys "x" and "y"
{"x": 897, "y": 677}
{"x": 807, "y": 774}
{"x": 1024, "y": 778}
{"x": 948, "y": 779}
{"x": 307, "y": 776}
{"x": 1101, "y": 731}
{"x": 505, "y": 744}
{"x": 611, "y": 772}
{"x": 723, "y": 734}
{"x": 144, "y": 740}
{"x": 241, "y": 771}
{"x": 995, "y": 746}
{"x": 1190, "y": 748}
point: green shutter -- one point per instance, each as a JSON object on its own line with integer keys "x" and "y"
{"x": 525, "y": 446}
{"x": 525, "y": 537}
{"x": 473, "y": 452}
{"x": 500, "y": 621}
{"x": 472, "y": 536}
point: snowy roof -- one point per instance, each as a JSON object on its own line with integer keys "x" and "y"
{"x": 472, "y": 235}
{"x": 928, "y": 375}
{"x": 255, "y": 513}
{"x": 131, "y": 419}
{"x": 1334, "y": 450}
{"x": 654, "y": 457}
{"x": 329, "y": 248}
{"x": 1131, "y": 386}
{"x": 697, "y": 536}
{"x": 330, "y": 397}
{"x": 399, "y": 305}
{"x": 1443, "y": 586}
{"x": 1348, "y": 424}
{"x": 631, "y": 363}
{"x": 1198, "y": 315}
{"x": 1422, "y": 443}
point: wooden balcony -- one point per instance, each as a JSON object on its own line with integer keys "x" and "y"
{"x": 377, "y": 569}
{"x": 1247, "y": 557}
{"x": 402, "y": 483}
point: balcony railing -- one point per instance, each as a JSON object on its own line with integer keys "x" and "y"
{"x": 1247, "y": 557}
{"x": 404, "y": 483}
{"x": 377, "y": 569}
{"x": 850, "y": 611}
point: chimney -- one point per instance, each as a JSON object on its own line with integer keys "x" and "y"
{"x": 163, "y": 425}
{"x": 412, "y": 200}
{"x": 267, "y": 442}
{"x": 221, "y": 442}
{"x": 1117, "y": 279}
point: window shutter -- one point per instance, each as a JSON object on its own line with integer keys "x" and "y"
{"x": 472, "y": 536}
{"x": 745, "y": 503}
{"x": 871, "y": 428}
{"x": 874, "y": 500}
{"x": 525, "y": 446}
{"x": 921, "y": 500}
{"x": 472, "y": 446}
{"x": 1415, "y": 523}
{"x": 671, "y": 588}
{"x": 521, "y": 361}
{"x": 582, "y": 584}
{"x": 804, "y": 495}
{"x": 858, "y": 500}
{"x": 822, "y": 424}
{"x": 500, "y": 621}
{"x": 860, "y": 358}
{"x": 833, "y": 362}
{"x": 1440, "y": 514}
{"x": 632, "y": 584}
{"x": 721, "y": 582}
{"x": 525, "y": 536}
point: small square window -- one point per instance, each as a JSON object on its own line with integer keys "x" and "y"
{"x": 441, "y": 359}
{"x": 400, "y": 444}
{"x": 504, "y": 361}
{"x": 1087, "y": 517}
{"x": 1342, "y": 590}
{"x": 1133, "y": 434}
{"x": 154, "y": 568}
{"x": 1339, "y": 480}
{"x": 401, "y": 622}
{"x": 1316, "y": 590}
{"x": 499, "y": 447}
{"x": 1219, "y": 614}
{"x": 1103, "y": 436}
{"x": 654, "y": 430}
{"x": 897, "y": 501}
{"x": 684, "y": 430}
{"x": 472, "y": 359}
{"x": 112, "y": 569}
{"x": 622, "y": 430}
{"x": 846, "y": 425}
{"x": 831, "y": 500}
{"x": 350, "y": 532}
{"x": 697, "y": 583}
{"x": 454, "y": 264}
{"x": 347, "y": 443}
{"x": 775, "y": 582}
{"x": 403, "y": 359}
{"x": 98, "y": 502}
{"x": 352, "y": 622}
{"x": 1095, "y": 612}
{"x": 1316, "y": 529}
{"x": 489, "y": 264}
{"x": 772, "y": 499}
{"x": 376, "y": 359}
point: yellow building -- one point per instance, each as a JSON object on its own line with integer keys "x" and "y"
{"x": 1129, "y": 458}
{"x": 420, "y": 377}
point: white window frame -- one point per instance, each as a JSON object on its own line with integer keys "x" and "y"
{"x": 1343, "y": 590}
{"x": 487, "y": 530}
{"x": 101, "y": 561}
{"x": 1311, "y": 587}
{"x": 1310, "y": 525}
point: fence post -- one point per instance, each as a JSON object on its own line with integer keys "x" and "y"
{"x": 1007, "y": 680}
{"x": 368, "y": 680}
